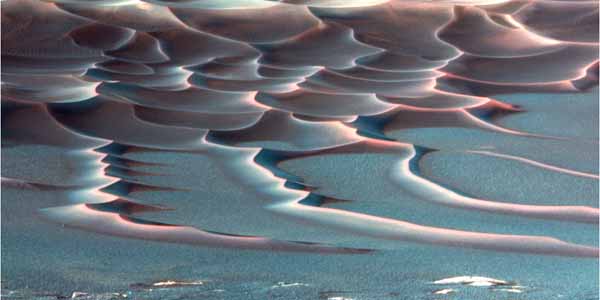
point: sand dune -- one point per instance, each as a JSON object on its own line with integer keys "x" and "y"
{"x": 211, "y": 123}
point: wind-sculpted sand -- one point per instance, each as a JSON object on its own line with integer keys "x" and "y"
{"x": 304, "y": 126}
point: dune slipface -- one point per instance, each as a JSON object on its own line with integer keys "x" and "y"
{"x": 164, "y": 149}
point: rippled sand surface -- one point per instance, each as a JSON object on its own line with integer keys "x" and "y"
{"x": 211, "y": 149}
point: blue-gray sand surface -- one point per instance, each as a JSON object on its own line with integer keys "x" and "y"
{"x": 318, "y": 149}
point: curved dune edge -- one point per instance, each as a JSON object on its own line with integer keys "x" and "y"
{"x": 83, "y": 217}
{"x": 403, "y": 231}
{"x": 426, "y": 189}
